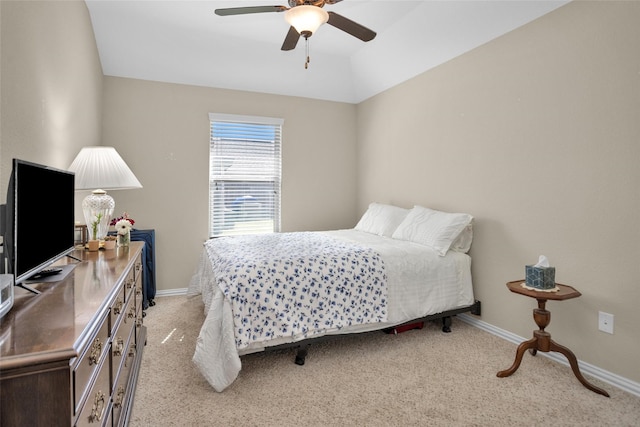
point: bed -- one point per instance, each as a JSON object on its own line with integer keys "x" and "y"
{"x": 394, "y": 267}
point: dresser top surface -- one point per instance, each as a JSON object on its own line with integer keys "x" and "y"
{"x": 54, "y": 322}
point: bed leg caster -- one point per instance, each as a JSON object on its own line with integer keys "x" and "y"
{"x": 446, "y": 324}
{"x": 301, "y": 355}
{"x": 476, "y": 308}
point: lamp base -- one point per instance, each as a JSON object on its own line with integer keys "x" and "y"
{"x": 98, "y": 208}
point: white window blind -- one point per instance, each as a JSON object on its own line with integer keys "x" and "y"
{"x": 244, "y": 175}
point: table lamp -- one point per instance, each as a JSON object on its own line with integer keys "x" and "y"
{"x": 100, "y": 169}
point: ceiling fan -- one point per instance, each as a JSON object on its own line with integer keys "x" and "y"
{"x": 305, "y": 17}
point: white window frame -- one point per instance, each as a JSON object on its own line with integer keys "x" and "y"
{"x": 233, "y": 209}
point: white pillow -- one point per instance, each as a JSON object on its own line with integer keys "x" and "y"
{"x": 464, "y": 239}
{"x": 432, "y": 228}
{"x": 381, "y": 219}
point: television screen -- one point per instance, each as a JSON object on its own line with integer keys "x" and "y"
{"x": 39, "y": 226}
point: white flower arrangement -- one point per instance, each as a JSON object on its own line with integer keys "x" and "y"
{"x": 123, "y": 227}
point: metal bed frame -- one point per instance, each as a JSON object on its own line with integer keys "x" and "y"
{"x": 303, "y": 345}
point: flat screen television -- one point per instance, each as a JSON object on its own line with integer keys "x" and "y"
{"x": 39, "y": 219}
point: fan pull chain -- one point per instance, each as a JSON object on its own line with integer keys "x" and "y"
{"x": 306, "y": 44}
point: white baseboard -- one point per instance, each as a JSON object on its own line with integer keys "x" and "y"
{"x": 600, "y": 374}
{"x": 171, "y": 292}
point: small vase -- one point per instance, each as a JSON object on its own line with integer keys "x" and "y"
{"x": 124, "y": 239}
{"x": 109, "y": 244}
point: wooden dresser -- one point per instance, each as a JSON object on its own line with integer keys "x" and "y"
{"x": 71, "y": 355}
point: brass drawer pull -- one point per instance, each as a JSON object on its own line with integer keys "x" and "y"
{"x": 132, "y": 353}
{"x": 96, "y": 350}
{"x": 117, "y": 402}
{"x": 117, "y": 307}
{"x": 117, "y": 349}
{"x": 98, "y": 407}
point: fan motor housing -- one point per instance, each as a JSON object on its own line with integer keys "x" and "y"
{"x": 294, "y": 3}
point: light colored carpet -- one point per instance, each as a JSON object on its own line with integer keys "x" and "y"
{"x": 417, "y": 378}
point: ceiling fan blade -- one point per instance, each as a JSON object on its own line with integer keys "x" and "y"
{"x": 291, "y": 39}
{"x": 246, "y": 10}
{"x": 348, "y": 26}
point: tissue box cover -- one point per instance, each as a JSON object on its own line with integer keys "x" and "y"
{"x": 540, "y": 277}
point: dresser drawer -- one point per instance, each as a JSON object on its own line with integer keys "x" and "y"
{"x": 121, "y": 387}
{"x": 121, "y": 336}
{"x": 139, "y": 313}
{"x": 117, "y": 308}
{"x": 129, "y": 283}
{"x": 139, "y": 293}
{"x": 137, "y": 268}
{"x": 88, "y": 363}
{"x": 97, "y": 407}
{"x": 139, "y": 324}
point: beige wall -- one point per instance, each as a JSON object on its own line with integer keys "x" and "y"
{"x": 536, "y": 134}
{"x": 51, "y": 84}
{"x": 162, "y": 131}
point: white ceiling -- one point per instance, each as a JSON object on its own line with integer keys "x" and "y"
{"x": 185, "y": 42}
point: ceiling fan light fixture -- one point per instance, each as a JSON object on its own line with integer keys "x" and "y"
{"x": 306, "y": 19}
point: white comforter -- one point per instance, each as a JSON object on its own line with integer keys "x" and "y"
{"x": 419, "y": 283}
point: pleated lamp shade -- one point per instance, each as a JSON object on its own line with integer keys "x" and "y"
{"x": 103, "y": 168}
{"x": 100, "y": 169}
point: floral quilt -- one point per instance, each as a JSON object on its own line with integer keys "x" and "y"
{"x": 297, "y": 285}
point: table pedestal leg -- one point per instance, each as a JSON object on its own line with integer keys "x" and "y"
{"x": 542, "y": 341}
{"x": 531, "y": 344}
{"x": 575, "y": 368}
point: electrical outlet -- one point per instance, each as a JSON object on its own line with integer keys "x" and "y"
{"x": 605, "y": 322}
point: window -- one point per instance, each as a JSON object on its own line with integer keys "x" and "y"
{"x": 244, "y": 175}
